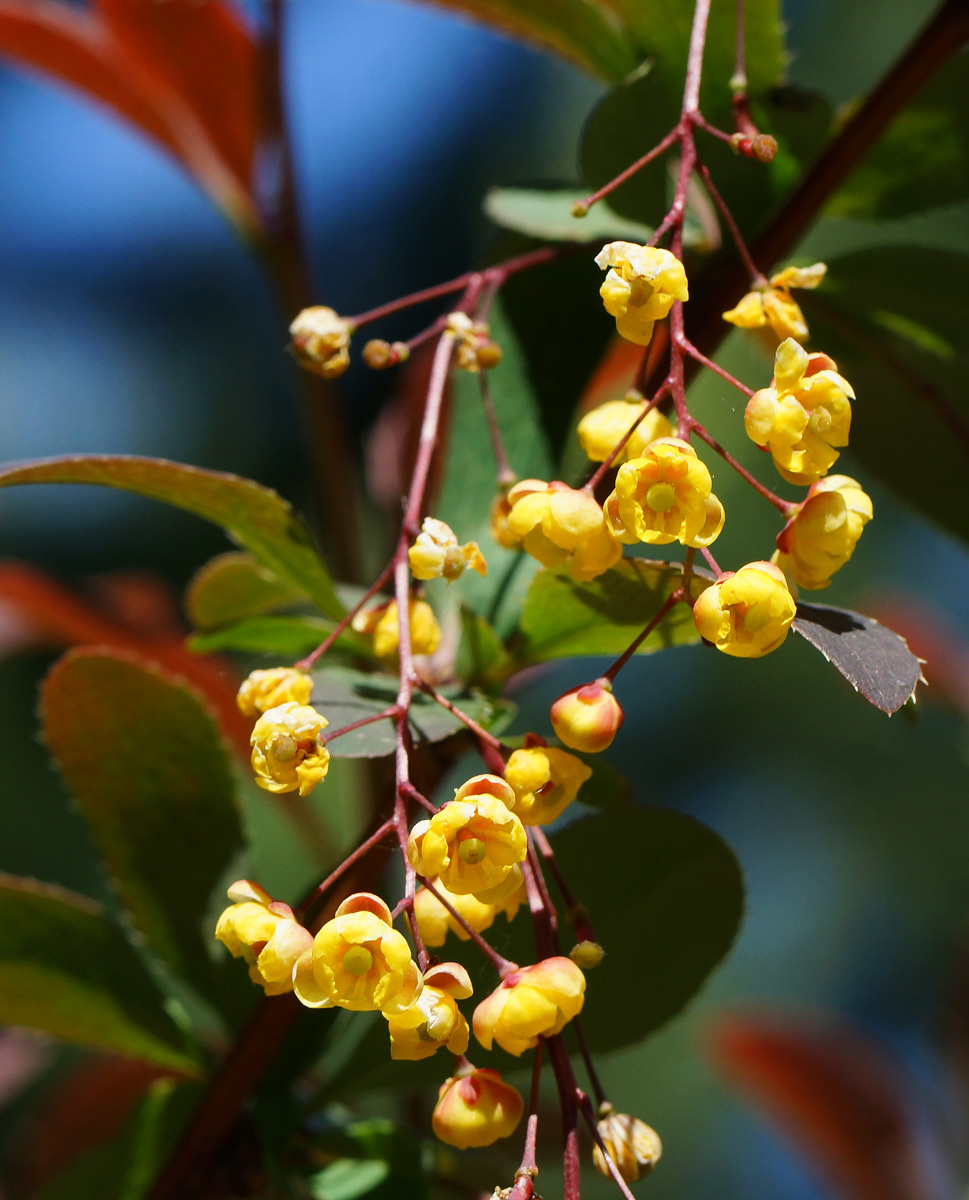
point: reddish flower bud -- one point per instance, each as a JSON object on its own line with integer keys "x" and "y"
{"x": 587, "y": 718}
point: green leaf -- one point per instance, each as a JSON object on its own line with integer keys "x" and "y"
{"x": 67, "y": 970}
{"x": 666, "y": 899}
{"x": 284, "y": 637}
{"x": 548, "y": 214}
{"x": 234, "y": 586}
{"x": 480, "y": 651}
{"x": 562, "y": 618}
{"x": 344, "y": 696}
{"x": 254, "y": 516}
{"x": 348, "y": 1178}
{"x": 144, "y": 759}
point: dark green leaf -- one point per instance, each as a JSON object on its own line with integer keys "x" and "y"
{"x": 480, "y": 650}
{"x": 67, "y": 970}
{"x": 562, "y": 617}
{"x": 234, "y": 586}
{"x": 874, "y": 660}
{"x": 345, "y": 696}
{"x": 284, "y": 637}
{"x": 666, "y": 898}
{"x": 145, "y": 762}
{"x": 252, "y": 515}
{"x": 548, "y": 214}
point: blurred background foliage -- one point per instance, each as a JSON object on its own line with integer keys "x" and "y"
{"x": 133, "y": 321}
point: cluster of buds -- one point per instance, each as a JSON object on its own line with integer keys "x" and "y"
{"x": 436, "y": 553}
{"x": 321, "y": 341}
{"x": 474, "y": 350}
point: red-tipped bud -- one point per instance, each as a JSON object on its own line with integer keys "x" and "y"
{"x": 587, "y": 718}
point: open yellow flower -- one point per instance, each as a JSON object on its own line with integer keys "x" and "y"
{"x": 640, "y": 286}
{"x": 474, "y": 843}
{"x": 774, "y": 305}
{"x": 358, "y": 961}
{"x": 822, "y": 535}
{"x": 558, "y": 524}
{"x": 475, "y": 1107}
{"x": 803, "y": 416}
{"x": 435, "y": 922}
{"x": 265, "y": 933}
{"x": 665, "y": 496}
{"x": 748, "y": 613}
{"x": 382, "y": 623}
{"x": 263, "y": 690}
{"x": 436, "y": 553}
{"x": 434, "y": 1019}
{"x": 546, "y": 781}
{"x": 533, "y": 1002}
{"x": 288, "y": 748}
{"x": 601, "y": 429}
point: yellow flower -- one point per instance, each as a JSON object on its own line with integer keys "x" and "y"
{"x": 746, "y": 614}
{"x": 822, "y": 535}
{"x": 558, "y": 524}
{"x": 358, "y": 961}
{"x": 425, "y": 633}
{"x": 436, "y": 553}
{"x": 267, "y": 689}
{"x": 534, "y": 1001}
{"x": 665, "y": 496}
{"x": 633, "y": 1145}
{"x": 321, "y": 341}
{"x": 265, "y": 933}
{"x": 501, "y": 531}
{"x": 587, "y": 718}
{"x": 774, "y": 306}
{"x": 640, "y": 287}
{"x": 434, "y": 921}
{"x": 288, "y": 748}
{"x": 601, "y": 429}
{"x": 474, "y": 842}
{"x": 434, "y": 1019}
{"x": 803, "y": 415}
{"x": 476, "y": 1107}
{"x": 546, "y": 781}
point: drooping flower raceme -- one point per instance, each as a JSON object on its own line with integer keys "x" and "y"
{"x": 474, "y": 842}
{"x": 601, "y": 429}
{"x": 382, "y": 623}
{"x": 822, "y": 535}
{"x": 476, "y": 1107}
{"x": 436, "y": 553}
{"x": 588, "y": 717}
{"x": 546, "y": 781}
{"x": 358, "y": 961}
{"x": 664, "y": 496}
{"x": 263, "y": 690}
{"x": 321, "y": 341}
{"x": 558, "y": 524}
{"x": 640, "y": 286}
{"x": 533, "y": 1002}
{"x": 265, "y": 933}
{"x": 435, "y": 922}
{"x": 746, "y": 614}
{"x": 434, "y": 1019}
{"x": 803, "y": 416}
{"x": 774, "y": 305}
{"x": 288, "y": 749}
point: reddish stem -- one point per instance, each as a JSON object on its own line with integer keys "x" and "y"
{"x": 322, "y": 888}
{"x": 673, "y": 598}
{"x": 505, "y": 474}
{"x": 565, "y": 1079}
{"x": 784, "y": 506}
{"x": 587, "y": 1059}
{"x": 594, "y": 480}
{"x": 711, "y": 561}
{"x": 387, "y": 714}
{"x": 502, "y": 965}
{"x": 585, "y": 1106}
{"x": 483, "y": 736}
{"x": 687, "y": 345}
{"x": 638, "y": 165}
{"x": 307, "y": 663}
{"x": 757, "y": 277}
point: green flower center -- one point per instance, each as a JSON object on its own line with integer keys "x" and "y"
{"x": 357, "y": 961}
{"x": 472, "y": 850}
{"x": 661, "y": 497}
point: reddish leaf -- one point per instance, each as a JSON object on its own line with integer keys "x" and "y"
{"x": 840, "y": 1097}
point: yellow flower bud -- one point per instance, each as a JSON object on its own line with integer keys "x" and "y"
{"x": 746, "y": 614}
{"x": 546, "y": 781}
{"x": 473, "y": 348}
{"x": 265, "y": 933}
{"x": 601, "y": 429}
{"x": 632, "y": 1145}
{"x": 321, "y": 341}
{"x": 586, "y": 954}
{"x": 587, "y": 718}
{"x": 774, "y": 306}
{"x": 382, "y": 623}
{"x": 822, "y": 535}
{"x": 534, "y": 1001}
{"x": 476, "y": 1108}
{"x": 267, "y": 689}
{"x": 434, "y": 1019}
{"x": 640, "y": 287}
{"x": 558, "y": 524}
{"x": 803, "y": 415}
{"x": 665, "y": 496}
{"x": 288, "y": 749}
{"x": 435, "y": 922}
{"x": 474, "y": 842}
{"x": 436, "y": 553}
{"x": 358, "y": 961}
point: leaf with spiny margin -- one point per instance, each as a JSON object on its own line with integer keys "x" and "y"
{"x": 145, "y": 762}
{"x": 343, "y": 696}
{"x": 874, "y": 660}
{"x": 562, "y": 618}
{"x": 255, "y": 517}
{"x": 548, "y": 214}
{"x": 233, "y": 586}
{"x": 666, "y": 898}
{"x": 67, "y": 970}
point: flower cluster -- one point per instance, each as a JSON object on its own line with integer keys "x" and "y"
{"x": 557, "y": 524}
{"x": 772, "y": 304}
{"x": 436, "y": 553}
